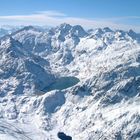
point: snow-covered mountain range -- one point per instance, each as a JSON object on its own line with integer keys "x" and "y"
{"x": 6, "y": 29}
{"x": 66, "y": 79}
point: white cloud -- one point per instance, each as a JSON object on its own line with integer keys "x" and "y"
{"x": 51, "y": 13}
{"x": 123, "y": 18}
{"x": 54, "y": 18}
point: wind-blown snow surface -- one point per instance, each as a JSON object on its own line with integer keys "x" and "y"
{"x": 103, "y": 105}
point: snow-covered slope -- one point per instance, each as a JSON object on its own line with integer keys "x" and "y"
{"x": 98, "y": 72}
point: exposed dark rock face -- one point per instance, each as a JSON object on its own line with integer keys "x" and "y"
{"x": 63, "y": 136}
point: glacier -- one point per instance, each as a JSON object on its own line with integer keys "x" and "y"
{"x": 85, "y": 84}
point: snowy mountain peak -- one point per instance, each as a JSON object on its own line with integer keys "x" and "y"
{"x": 134, "y": 35}
{"x": 25, "y": 30}
{"x": 107, "y": 29}
{"x": 78, "y": 31}
{"x": 64, "y": 26}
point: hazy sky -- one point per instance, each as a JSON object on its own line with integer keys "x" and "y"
{"x": 124, "y": 14}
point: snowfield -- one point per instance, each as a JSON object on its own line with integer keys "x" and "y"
{"x": 65, "y": 79}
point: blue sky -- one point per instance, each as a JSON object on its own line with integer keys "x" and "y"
{"x": 123, "y": 14}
